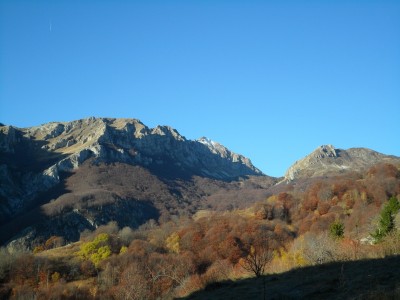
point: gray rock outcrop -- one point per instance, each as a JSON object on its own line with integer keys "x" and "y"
{"x": 328, "y": 160}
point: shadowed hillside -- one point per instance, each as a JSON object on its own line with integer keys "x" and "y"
{"x": 366, "y": 279}
{"x": 98, "y": 193}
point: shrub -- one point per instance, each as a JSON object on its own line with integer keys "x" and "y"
{"x": 172, "y": 242}
{"x": 123, "y": 249}
{"x": 319, "y": 249}
{"x": 97, "y": 250}
{"x": 336, "y": 229}
{"x": 55, "y": 277}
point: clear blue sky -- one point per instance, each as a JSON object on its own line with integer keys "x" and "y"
{"x": 271, "y": 80}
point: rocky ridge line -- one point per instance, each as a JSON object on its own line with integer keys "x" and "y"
{"x": 59, "y": 147}
{"x": 327, "y": 159}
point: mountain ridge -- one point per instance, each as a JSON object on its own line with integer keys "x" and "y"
{"x": 37, "y": 163}
{"x": 327, "y": 160}
{"x": 162, "y": 148}
{"x": 85, "y": 173}
{"x": 96, "y": 134}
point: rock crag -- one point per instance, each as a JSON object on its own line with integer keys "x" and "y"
{"x": 328, "y": 160}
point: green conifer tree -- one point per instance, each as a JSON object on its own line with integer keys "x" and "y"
{"x": 386, "y": 221}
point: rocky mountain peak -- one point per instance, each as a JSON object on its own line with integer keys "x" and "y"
{"x": 121, "y": 164}
{"x": 130, "y": 141}
{"x": 50, "y": 149}
{"x": 325, "y": 151}
{"x": 33, "y": 160}
{"x": 214, "y": 147}
{"x": 168, "y": 131}
{"x": 328, "y": 160}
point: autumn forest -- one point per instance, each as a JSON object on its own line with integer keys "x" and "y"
{"x": 308, "y": 223}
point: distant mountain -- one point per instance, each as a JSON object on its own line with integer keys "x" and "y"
{"x": 63, "y": 177}
{"x": 327, "y": 160}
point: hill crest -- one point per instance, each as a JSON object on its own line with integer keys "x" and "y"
{"x": 328, "y": 160}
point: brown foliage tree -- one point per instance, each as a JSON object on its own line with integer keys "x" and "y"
{"x": 259, "y": 255}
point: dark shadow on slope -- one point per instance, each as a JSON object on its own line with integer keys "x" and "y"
{"x": 364, "y": 279}
{"x": 33, "y": 213}
{"x": 92, "y": 195}
{"x": 70, "y": 222}
{"x": 27, "y": 154}
{"x": 21, "y": 160}
{"x": 169, "y": 171}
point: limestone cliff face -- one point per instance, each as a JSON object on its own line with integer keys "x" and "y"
{"x": 33, "y": 159}
{"x": 328, "y": 160}
{"x": 130, "y": 141}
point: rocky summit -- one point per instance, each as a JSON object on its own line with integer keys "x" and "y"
{"x": 129, "y": 140}
{"x": 35, "y": 162}
{"x": 43, "y": 152}
{"x": 328, "y": 160}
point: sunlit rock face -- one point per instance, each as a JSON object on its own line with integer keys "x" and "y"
{"x": 130, "y": 141}
{"x": 32, "y": 159}
{"x": 328, "y": 160}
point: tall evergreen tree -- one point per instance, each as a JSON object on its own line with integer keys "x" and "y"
{"x": 386, "y": 220}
